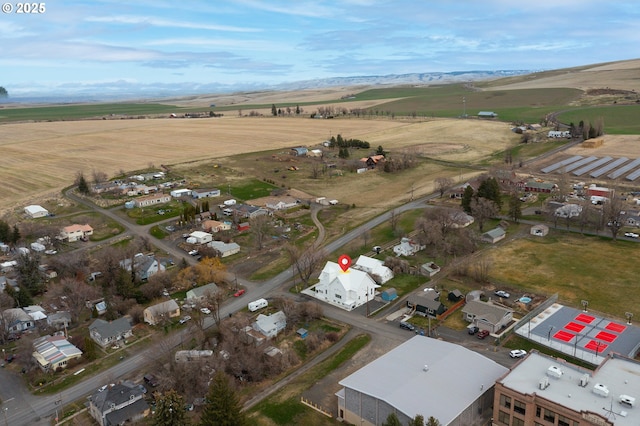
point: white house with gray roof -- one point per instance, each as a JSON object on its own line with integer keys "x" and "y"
{"x": 162, "y": 311}
{"x": 107, "y": 333}
{"x": 117, "y": 404}
{"x": 487, "y": 315}
{"x": 270, "y": 325}
{"x": 199, "y": 294}
{"x": 422, "y": 376}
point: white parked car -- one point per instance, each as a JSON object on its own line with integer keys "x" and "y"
{"x": 185, "y": 319}
{"x": 631, "y": 235}
{"x": 205, "y": 311}
{"x": 517, "y": 353}
{"x": 502, "y": 293}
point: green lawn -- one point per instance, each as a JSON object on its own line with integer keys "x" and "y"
{"x": 249, "y": 190}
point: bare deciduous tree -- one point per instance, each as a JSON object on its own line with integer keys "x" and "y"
{"x": 483, "y": 209}
{"x": 442, "y": 184}
{"x": 260, "y": 228}
{"x": 613, "y": 216}
{"x": 75, "y": 294}
{"x": 305, "y": 262}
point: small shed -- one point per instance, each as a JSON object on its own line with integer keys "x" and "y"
{"x": 299, "y": 151}
{"x": 455, "y": 295}
{"x": 389, "y": 294}
{"x": 429, "y": 269}
{"x": 494, "y": 235}
{"x": 244, "y": 226}
{"x": 539, "y": 230}
{"x": 302, "y": 333}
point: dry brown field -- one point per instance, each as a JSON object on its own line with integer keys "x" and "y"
{"x": 39, "y": 159}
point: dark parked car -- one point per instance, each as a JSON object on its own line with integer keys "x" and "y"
{"x": 151, "y": 380}
{"x": 482, "y": 334}
{"x": 407, "y": 326}
{"x": 472, "y": 329}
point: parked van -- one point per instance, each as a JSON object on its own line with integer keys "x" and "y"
{"x": 257, "y": 304}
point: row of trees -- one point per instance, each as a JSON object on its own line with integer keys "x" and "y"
{"x": 340, "y": 142}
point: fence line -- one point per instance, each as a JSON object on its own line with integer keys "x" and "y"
{"x": 316, "y": 407}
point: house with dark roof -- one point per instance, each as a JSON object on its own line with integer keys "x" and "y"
{"x": 15, "y": 320}
{"x": 422, "y": 376}
{"x": 426, "y": 303}
{"x": 487, "y": 315}
{"x": 59, "y": 320}
{"x": 118, "y": 404}
{"x": 107, "y": 333}
{"x": 144, "y": 265}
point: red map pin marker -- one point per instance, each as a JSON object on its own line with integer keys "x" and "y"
{"x": 345, "y": 262}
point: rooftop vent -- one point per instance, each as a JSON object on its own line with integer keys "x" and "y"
{"x": 627, "y": 400}
{"x": 600, "y": 389}
{"x": 554, "y": 371}
{"x": 425, "y": 368}
{"x": 584, "y": 380}
{"x": 544, "y": 383}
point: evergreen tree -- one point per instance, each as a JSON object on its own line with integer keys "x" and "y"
{"x": 223, "y": 407}
{"x": 417, "y": 421}
{"x": 83, "y": 186}
{"x": 274, "y": 110}
{"x": 432, "y": 421}
{"x": 3, "y": 92}
{"x": 5, "y": 232}
{"x": 392, "y": 420}
{"x": 515, "y": 210}
{"x": 380, "y": 151}
{"x": 15, "y": 235}
{"x": 169, "y": 409}
{"x": 467, "y": 196}
{"x": 490, "y": 190}
{"x": 297, "y": 109}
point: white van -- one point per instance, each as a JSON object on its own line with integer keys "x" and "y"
{"x": 257, "y": 304}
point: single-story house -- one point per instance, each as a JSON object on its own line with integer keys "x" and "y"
{"x": 54, "y": 352}
{"x": 375, "y": 268}
{"x": 199, "y": 237}
{"x": 225, "y": 249}
{"x": 145, "y": 266}
{"x": 202, "y": 216}
{"x": 37, "y": 247}
{"x": 487, "y": 315}
{"x": 270, "y": 325}
{"x": 460, "y": 219}
{"x": 36, "y": 312}
{"x": 16, "y": 320}
{"x": 426, "y": 303}
{"x": 152, "y": 200}
{"x": 246, "y": 211}
{"x": 35, "y": 211}
{"x": 299, "y": 151}
{"x": 215, "y": 226}
{"x": 59, "y": 320}
{"x": 494, "y": 235}
{"x": 539, "y": 230}
{"x": 107, "y": 333}
{"x": 344, "y": 289}
{"x": 205, "y": 192}
{"x": 282, "y": 203}
{"x": 422, "y": 376}
{"x": 118, "y": 404}
{"x": 200, "y": 294}
{"x": 407, "y": 247}
{"x": 156, "y": 313}
{"x": 76, "y": 232}
{"x": 568, "y": 211}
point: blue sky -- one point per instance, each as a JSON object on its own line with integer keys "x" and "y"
{"x": 115, "y": 46}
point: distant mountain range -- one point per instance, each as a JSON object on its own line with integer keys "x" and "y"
{"x": 125, "y": 90}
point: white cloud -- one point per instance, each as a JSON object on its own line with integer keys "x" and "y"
{"x": 160, "y": 22}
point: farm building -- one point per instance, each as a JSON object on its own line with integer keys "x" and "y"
{"x": 299, "y": 152}
{"x": 487, "y": 114}
{"x": 559, "y": 134}
{"x": 35, "y": 211}
{"x": 535, "y": 186}
{"x": 598, "y": 191}
{"x": 177, "y": 193}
